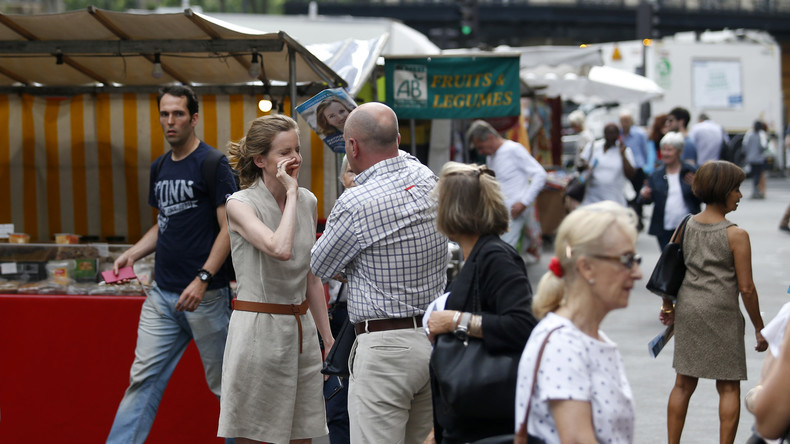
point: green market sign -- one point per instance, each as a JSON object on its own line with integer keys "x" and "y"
{"x": 451, "y": 87}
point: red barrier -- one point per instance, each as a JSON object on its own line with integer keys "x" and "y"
{"x": 64, "y": 366}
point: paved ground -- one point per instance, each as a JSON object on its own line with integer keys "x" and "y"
{"x": 632, "y": 328}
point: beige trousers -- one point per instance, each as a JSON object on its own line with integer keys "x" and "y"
{"x": 389, "y": 394}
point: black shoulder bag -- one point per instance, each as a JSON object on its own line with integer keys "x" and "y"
{"x": 471, "y": 380}
{"x": 522, "y": 437}
{"x": 336, "y": 362}
{"x": 670, "y": 269}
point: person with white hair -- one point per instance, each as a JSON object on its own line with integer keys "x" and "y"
{"x": 636, "y": 139}
{"x": 669, "y": 190}
{"x": 520, "y": 176}
{"x": 584, "y": 136}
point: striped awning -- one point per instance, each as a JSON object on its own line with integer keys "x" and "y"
{"x": 79, "y": 125}
{"x": 81, "y": 164}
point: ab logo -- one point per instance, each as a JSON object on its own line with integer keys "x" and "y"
{"x": 410, "y": 86}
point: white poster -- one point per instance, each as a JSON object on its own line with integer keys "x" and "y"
{"x": 717, "y": 84}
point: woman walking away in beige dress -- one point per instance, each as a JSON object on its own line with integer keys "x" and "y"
{"x": 709, "y": 326}
{"x": 272, "y": 388}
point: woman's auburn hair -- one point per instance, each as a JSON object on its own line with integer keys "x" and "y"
{"x": 715, "y": 179}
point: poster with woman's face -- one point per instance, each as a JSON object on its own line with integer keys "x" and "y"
{"x": 326, "y": 113}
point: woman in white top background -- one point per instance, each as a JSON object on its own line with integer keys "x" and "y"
{"x": 669, "y": 189}
{"x": 612, "y": 163}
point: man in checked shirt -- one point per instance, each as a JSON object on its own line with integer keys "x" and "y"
{"x": 382, "y": 235}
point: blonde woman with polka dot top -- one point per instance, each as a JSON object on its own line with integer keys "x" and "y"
{"x": 581, "y": 393}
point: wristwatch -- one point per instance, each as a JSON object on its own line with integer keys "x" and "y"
{"x": 462, "y": 329}
{"x": 204, "y": 275}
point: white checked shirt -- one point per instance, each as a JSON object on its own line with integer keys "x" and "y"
{"x": 382, "y": 234}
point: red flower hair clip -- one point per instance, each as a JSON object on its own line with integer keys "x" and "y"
{"x": 556, "y": 267}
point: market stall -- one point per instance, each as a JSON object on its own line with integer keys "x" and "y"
{"x": 79, "y": 124}
{"x": 79, "y": 128}
{"x": 65, "y": 367}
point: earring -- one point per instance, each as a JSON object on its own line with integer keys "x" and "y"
{"x": 591, "y": 281}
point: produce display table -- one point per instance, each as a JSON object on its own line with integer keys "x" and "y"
{"x": 64, "y": 366}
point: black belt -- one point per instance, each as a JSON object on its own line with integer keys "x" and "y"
{"x": 387, "y": 324}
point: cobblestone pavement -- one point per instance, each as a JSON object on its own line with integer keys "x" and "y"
{"x": 632, "y": 328}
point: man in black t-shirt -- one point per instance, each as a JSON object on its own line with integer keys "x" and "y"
{"x": 190, "y": 298}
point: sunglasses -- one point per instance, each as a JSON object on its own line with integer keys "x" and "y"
{"x": 627, "y": 259}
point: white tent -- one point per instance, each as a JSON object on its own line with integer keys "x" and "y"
{"x": 577, "y": 74}
{"x": 355, "y": 55}
{"x": 308, "y": 30}
{"x": 603, "y": 84}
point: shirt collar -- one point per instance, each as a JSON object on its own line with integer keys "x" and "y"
{"x": 385, "y": 166}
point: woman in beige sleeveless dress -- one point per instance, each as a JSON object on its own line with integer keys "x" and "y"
{"x": 709, "y": 327}
{"x": 272, "y": 388}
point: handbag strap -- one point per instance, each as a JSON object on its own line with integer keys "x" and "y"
{"x": 680, "y": 232}
{"x": 522, "y": 431}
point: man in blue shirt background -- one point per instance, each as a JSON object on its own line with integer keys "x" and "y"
{"x": 636, "y": 139}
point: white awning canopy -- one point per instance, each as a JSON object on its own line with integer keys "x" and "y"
{"x": 118, "y": 51}
{"x": 577, "y": 74}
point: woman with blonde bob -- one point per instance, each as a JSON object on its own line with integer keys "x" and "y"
{"x": 472, "y": 213}
{"x": 581, "y": 393}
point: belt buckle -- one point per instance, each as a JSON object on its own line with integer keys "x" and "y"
{"x": 366, "y": 326}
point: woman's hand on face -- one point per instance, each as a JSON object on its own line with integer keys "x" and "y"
{"x": 440, "y": 322}
{"x": 762, "y": 344}
{"x": 287, "y": 174}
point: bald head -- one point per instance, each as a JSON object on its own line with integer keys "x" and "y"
{"x": 375, "y": 126}
{"x": 371, "y": 135}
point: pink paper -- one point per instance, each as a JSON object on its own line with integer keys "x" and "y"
{"x": 123, "y": 273}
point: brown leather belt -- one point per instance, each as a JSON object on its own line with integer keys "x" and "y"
{"x": 287, "y": 309}
{"x": 387, "y": 324}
